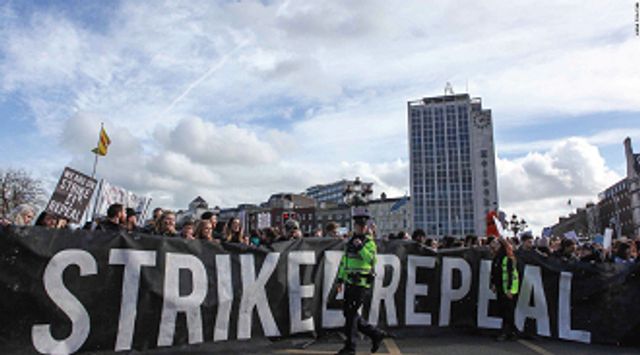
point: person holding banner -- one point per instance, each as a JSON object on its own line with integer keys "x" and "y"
{"x": 166, "y": 225}
{"x": 115, "y": 219}
{"x": 356, "y": 273}
{"x": 505, "y": 283}
{"x": 22, "y": 215}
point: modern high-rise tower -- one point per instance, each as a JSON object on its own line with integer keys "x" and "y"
{"x": 452, "y": 165}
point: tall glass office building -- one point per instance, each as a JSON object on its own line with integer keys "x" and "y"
{"x": 452, "y": 166}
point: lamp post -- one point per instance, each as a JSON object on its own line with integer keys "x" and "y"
{"x": 357, "y": 195}
{"x": 517, "y": 226}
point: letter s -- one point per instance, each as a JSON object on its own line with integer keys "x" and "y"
{"x": 41, "y": 336}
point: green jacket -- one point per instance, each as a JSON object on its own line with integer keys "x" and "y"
{"x": 356, "y": 267}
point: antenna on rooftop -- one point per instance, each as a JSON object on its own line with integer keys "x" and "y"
{"x": 448, "y": 89}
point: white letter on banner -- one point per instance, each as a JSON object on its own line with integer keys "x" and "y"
{"x": 385, "y": 293}
{"x": 331, "y": 318}
{"x": 413, "y": 289}
{"x": 297, "y": 292}
{"x": 484, "y": 297}
{"x": 532, "y": 283}
{"x": 448, "y": 294}
{"x": 564, "y": 312}
{"x": 41, "y": 336}
{"x": 133, "y": 261}
{"x": 254, "y": 295}
{"x": 225, "y": 297}
{"x": 189, "y": 304}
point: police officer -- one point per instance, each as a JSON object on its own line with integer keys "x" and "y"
{"x": 505, "y": 283}
{"x": 356, "y": 273}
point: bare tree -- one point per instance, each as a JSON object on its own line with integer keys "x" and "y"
{"x": 18, "y": 187}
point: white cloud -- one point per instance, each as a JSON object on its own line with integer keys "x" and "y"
{"x": 608, "y": 137}
{"x": 205, "y": 98}
{"x": 539, "y": 185}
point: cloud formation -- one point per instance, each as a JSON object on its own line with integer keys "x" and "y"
{"x": 237, "y": 100}
{"x": 539, "y": 185}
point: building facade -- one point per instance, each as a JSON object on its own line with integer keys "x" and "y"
{"x": 338, "y": 213}
{"x": 633, "y": 175}
{"x": 391, "y": 215}
{"x": 195, "y": 209}
{"x": 331, "y": 193}
{"x": 615, "y": 210}
{"x": 452, "y": 165}
{"x": 577, "y": 222}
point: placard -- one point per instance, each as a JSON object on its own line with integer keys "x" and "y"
{"x": 72, "y": 195}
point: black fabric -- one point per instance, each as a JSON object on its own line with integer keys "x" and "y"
{"x": 603, "y": 298}
{"x": 506, "y": 307}
{"x": 354, "y": 297}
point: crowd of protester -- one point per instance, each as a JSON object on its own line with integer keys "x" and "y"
{"x": 164, "y": 223}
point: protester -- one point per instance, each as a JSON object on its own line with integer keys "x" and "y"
{"x": 542, "y": 246}
{"x": 62, "y": 223}
{"x": 204, "y": 231}
{"x": 471, "y": 241}
{"x": 332, "y": 230}
{"x": 292, "y": 230}
{"x": 419, "y": 236}
{"x": 527, "y": 242}
{"x": 448, "y": 242}
{"x": 590, "y": 253}
{"x": 46, "y": 220}
{"x": 166, "y": 225}
{"x": 431, "y": 243}
{"x": 115, "y": 219}
{"x": 187, "y": 231}
{"x": 554, "y": 244}
{"x": 256, "y": 238}
{"x": 623, "y": 254}
{"x": 213, "y": 218}
{"x": 233, "y": 232}
{"x": 269, "y": 236}
{"x": 505, "y": 284}
{"x": 22, "y": 215}
{"x": 152, "y": 225}
{"x": 567, "y": 251}
{"x": 401, "y": 235}
{"x": 131, "y": 221}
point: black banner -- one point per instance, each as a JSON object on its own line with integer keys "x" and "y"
{"x": 67, "y": 291}
{"x": 72, "y": 195}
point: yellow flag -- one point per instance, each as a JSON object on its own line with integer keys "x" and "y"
{"x": 103, "y": 143}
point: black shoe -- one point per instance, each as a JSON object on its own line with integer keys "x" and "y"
{"x": 376, "y": 341}
{"x": 346, "y": 351}
{"x": 501, "y": 337}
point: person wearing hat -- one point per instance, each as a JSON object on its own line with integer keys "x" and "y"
{"x": 131, "y": 223}
{"x": 292, "y": 230}
{"x": 356, "y": 276}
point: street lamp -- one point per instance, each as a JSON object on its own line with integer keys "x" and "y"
{"x": 357, "y": 194}
{"x": 517, "y": 226}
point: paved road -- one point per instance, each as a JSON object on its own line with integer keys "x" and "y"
{"x": 436, "y": 344}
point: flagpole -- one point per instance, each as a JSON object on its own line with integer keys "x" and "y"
{"x": 95, "y": 162}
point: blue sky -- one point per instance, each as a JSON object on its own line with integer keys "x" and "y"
{"x": 236, "y": 100}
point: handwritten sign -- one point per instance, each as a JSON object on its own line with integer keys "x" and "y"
{"x": 72, "y": 195}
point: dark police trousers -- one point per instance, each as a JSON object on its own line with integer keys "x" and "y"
{"x": 506, "y": 308}
{"x": 353, "y": 299}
